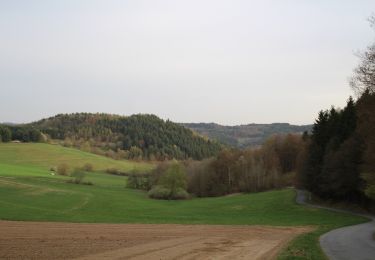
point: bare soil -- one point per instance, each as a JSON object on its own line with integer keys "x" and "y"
{"x": 46, "y": 240}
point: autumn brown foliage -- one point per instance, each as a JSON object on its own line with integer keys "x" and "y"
{"x": 271, "y": 166}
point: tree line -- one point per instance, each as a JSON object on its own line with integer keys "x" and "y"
{"x": 19, "y": 133}
{"x": 252, "y": 170}
{"x": 339, "y": 160}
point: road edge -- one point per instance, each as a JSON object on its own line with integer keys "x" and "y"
{"x": 301, "y": 200}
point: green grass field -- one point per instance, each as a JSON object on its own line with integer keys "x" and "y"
{"x": 47, "y": 156}
{"x": 28, "y": 191}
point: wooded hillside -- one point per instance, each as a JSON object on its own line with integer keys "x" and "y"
{"x": 244, "y": 136}
{"x": 132, "y": 137}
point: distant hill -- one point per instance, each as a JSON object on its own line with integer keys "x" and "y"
{"x": 130, "y": 137}
{"x": 243, "y": 136}
{"x": 9, "y": 123}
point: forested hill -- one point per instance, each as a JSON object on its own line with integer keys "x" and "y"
{"x": 131, "y": 137}
{"x": 243, "y": 136}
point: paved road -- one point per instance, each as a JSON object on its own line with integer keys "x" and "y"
{"x": 347, "y": 243}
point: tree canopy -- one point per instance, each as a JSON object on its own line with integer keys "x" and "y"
{"x": 133, "y": 137}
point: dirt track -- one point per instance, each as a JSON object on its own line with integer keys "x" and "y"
{"x": 35, "y": 240}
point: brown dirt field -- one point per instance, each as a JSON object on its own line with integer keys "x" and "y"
{"x": 46, "y": 240}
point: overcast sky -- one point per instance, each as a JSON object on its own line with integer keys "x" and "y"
{"x": 230, "y": 62}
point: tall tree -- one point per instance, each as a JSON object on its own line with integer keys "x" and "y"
{"x": 5, "y": 134}
{"x": 364, "y": 75}
{"x": 363, "y": 83}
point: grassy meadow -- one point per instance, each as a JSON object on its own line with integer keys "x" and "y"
{"x": 28, "y": 191}
{"x": 47, "y": 156}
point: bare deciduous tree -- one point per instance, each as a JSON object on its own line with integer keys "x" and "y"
{"x": 364, "y": 75}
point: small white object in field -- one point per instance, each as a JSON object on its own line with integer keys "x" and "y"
{"x": 52, "y": 173}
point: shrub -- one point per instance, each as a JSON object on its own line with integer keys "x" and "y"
{"x": 98, "y": 151}
{"x": 85, "y": 147}
{"x": 88, "y": 167}
{"x": 159, "y": 192}
{"x": 174, "y": 178}
{"x": 83, "y": 182}
{"x": 171, "y": 182}
{"x": 5, "y": 134}
{"x": 67, "y": 142}
{"x": 78, "y": 177}
{"x": 136, "y": 181}
{"x": 112, "y": 171}
{"x": 63, "y": 169}
{"x": 110, "y": 154}
{"x": 181, "y": 194}
{"x": 157, "y": 172}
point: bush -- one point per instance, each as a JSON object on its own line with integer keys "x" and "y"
{"x": 67, "y": 142}
{"x": 83, "y": 182}
{"x": 112, "y": 171}
{"x": 159, "y": 192}
{"x": 171, "y": 182}
{"x": 5, "y": 134}
{"x": 78, "y": 177}
{"x": 88, "y": 167}
{"x": 63, "y": 169}
{"x": 110, "y": 154}
{"x": 174, "y": 178}
{"x": 181, "y": 194}
{"x": 157, "y": 172}
{"x": 137, "y": 181}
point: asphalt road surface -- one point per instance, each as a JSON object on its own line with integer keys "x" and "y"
{"x": 347, "y": 243}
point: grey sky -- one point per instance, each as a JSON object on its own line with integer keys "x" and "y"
{"x": 230, "y": 62}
